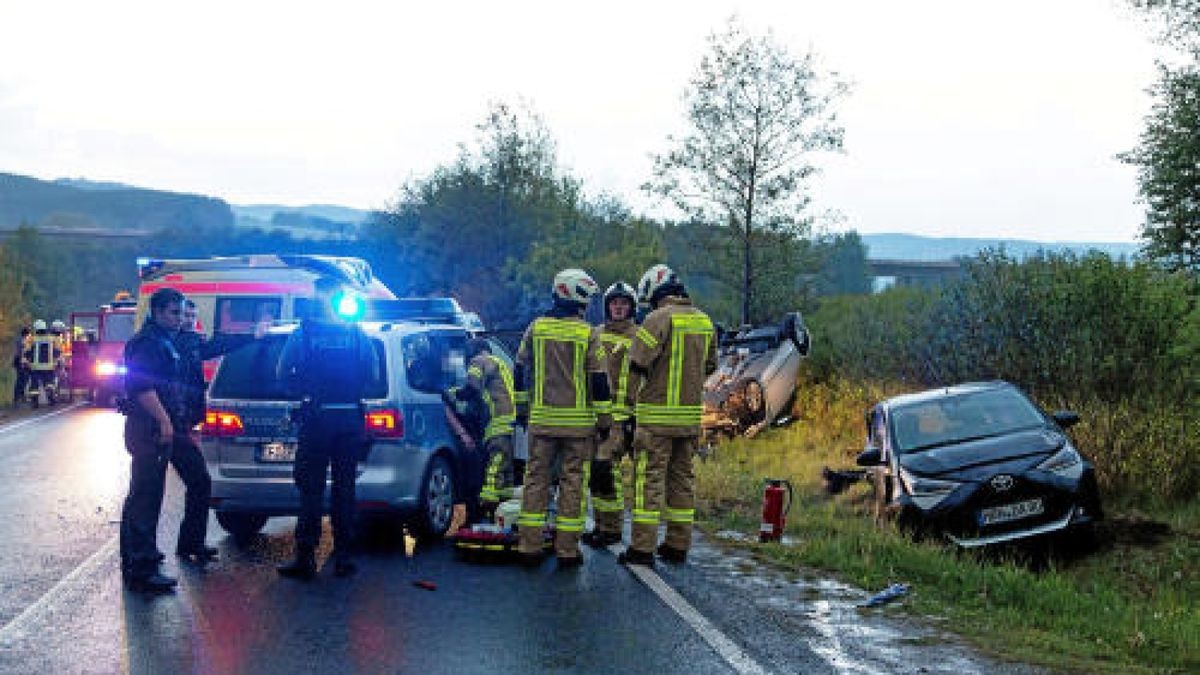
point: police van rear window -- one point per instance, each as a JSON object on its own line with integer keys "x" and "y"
{"x": 252, "y": 372}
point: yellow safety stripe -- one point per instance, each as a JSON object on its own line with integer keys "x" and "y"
{"x": 602, "y": 407}
{"x": 645, "y": 517}
{"x": 616, "y": 339}
{"x": 580, "y": 414}
{"x": 680, "y": 515}
{"x": 475, "y": 371}
{"x": 505, "y": 375}
{"x": 551, "y": 417}
{"x": 639, "y": 481}
{"x": 521, "y": 397}
{"x": 620, "y": 400}
{"x": 531, "y": 519}
{"x": 490, "y": 491}
{"x": 569, "y": 524}
{"x": 499, "y": 426}
{"x": 682, "y": 326}
{"x": 646, "y": 338}
{"x": 669, "y": 415}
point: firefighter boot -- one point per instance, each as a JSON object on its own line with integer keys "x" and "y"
{"x": 303, "y": 567}
{"x": 632, "y": 556}
{"x": 672, "y": 554}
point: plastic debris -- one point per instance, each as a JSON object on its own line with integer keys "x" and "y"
{"x": 427, "y": 585}
{"x": 886, "y": 595}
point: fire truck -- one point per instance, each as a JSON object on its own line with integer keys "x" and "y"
{"x": 97, "y": 362}
{"x": 235, "y": 293}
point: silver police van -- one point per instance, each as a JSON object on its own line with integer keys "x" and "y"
{"x": 249, "y": 438}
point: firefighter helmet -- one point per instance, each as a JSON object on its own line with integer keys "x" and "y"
{"x": 574, "y": 286}
{"x": 619, "y": 290}
{"x": 40, "y": 324}
{"x": 656, "y": 282}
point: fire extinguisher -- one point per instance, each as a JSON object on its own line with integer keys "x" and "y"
{"x": 775, "y": 509}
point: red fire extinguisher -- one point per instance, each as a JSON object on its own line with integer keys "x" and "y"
{"x": 775, "y": 509}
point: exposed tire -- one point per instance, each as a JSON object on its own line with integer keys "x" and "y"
{"x": 794, "y": 329}
{"x": 437, "y": 498}
{"x": 241, "y": 526}
{"x": 754, "y": 402}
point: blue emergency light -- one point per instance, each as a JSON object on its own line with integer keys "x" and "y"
{"x": 349, "y": 306}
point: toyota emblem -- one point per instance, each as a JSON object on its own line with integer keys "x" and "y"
{"x": 1002, "y": 482}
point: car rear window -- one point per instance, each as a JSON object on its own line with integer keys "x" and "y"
{"x": 251, "y": 372}
{"x": 955, "y": 419}
{"x": 242, "y": 314}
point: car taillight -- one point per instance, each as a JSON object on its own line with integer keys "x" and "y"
{"x": 385, "y": 423}
{"x": 222, "y": 423}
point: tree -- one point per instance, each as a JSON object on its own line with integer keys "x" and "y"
{"x": 1168, "y": 161}
{"x": 756, "y": 114}
{"x": 1179, "y": 21}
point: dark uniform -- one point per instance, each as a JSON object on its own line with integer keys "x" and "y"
{"x": 194, "y": 348}
{"x": 154, "y": 363}
{"x": 330, "y": 365}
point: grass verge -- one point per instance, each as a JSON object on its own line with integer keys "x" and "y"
{"x": 1133, "y": 605}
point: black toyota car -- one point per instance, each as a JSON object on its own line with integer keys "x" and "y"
{"x": 979, "y": 462}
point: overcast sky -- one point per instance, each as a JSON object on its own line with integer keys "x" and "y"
{"x": 967, "y": 117}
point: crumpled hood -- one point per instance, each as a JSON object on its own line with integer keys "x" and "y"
{"x": 979, "y": 460}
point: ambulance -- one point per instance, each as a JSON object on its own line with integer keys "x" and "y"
{"x": 234, "y": 293}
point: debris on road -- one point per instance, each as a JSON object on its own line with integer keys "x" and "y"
{"x": 886, "y": 595}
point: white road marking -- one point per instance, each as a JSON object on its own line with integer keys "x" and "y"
{"x": 740, "y": 661}
{"x": 16, "y": 629}
{"x": 39, "y": 418}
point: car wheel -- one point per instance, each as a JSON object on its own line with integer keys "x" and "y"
{"x": 437, "y": 498}
{"x": 794, "y": 329}
{"x": 754, "y": 402}
{"x": 241, "y": 525}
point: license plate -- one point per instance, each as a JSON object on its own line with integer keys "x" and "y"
{"x": 1003, "y": 514}
{"x": 277, "y": 452}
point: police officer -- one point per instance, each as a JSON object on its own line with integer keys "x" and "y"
{"x": 20, "y": 365}
{"x": 329, "y": 363}
{"x": 194, "y": 348}
{"x": 156, "y": 433}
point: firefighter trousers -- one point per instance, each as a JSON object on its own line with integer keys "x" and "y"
{"x": 609, "y": 509}
{"x": 664, "y": 489}
{"x": 571, "y": 453}
{"x": 498, "y": 472}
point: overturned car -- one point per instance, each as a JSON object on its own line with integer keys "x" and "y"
{"x": 755, "y": 380}
{"x": 980, "y": 463}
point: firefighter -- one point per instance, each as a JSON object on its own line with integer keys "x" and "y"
{"x": 490, "y": 380}
{"x": 608, "y": 499}
{"x": 672, "y": 353}
{"x": 43, "y": 356}
{"x": 329, "y": 363}
{"x": 563, "y": 396}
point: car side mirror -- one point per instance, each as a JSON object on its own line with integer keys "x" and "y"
{"x": 1066, "y": 418}
{"x": 869, "y": 457}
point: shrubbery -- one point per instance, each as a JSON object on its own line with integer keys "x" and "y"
{"x": 1116, "y": 342}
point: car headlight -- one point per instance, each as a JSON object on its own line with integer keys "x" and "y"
{"x": 1066, "y": 463}
{"x": 106, "y": 368}
{"x": 927, "y": 492}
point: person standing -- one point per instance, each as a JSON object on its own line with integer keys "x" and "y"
{"x": 20, "y": 366}
{"x": 195, "y": 348}
{"x": 563, "y": 395}
{"x": 156, "y": 433}
{"x": 672, "y": 352}
{"x": 607, "y": 484}
{"x": 329, "y": 363}
{"x": 490, "y": 379}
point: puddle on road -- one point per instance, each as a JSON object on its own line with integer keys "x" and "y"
{"x": 848, "y": 638}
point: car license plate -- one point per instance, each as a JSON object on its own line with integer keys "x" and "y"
{"x": 277, "y": 452}
{"x": 1003, "y": 514}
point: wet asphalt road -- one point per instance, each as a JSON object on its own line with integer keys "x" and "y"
{"x": 63, "y": 609}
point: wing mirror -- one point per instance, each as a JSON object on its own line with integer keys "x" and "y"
{"x": 869, "y": 457}
{"x": 1066, "y": 418}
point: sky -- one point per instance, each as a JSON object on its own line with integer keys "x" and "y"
{"x": 966, "y": 118}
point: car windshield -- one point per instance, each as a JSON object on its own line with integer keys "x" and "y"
{"x": 118, "y": 327}
{"x": 251, "y": 372}
{"x": 954, "y": 419}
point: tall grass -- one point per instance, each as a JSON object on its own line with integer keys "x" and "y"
{"x": 1128, "y": 607}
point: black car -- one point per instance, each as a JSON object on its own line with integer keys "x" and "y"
{"x": 979, "y": 462}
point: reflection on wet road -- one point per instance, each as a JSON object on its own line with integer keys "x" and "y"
{"x": 64, "y": 609}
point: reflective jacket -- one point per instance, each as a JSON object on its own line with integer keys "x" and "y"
{"x": 675, "y": 349}
{"x": 558, "y": 357}
{"x": 492, "y": 378}
{"x": 616, "y": 337}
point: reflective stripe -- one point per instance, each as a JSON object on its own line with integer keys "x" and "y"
{"x": 639, "y": 481}
{"x": 569, "y": 524}
{"x": 606, "y": 505}
{"x": 602, "y": 407}
{"x": 645, "y": 517}
{"x": 669, "y": 415}
{"x": 521, "y": 397}
{"x": 552, "y": 417}
{"x": 680, "y": 515}
{"x": 578, "y": 335}
{"x": 646, "y": 338}
{"x": 683, "y": 326}
{"x": 531, "y": 519}
{"x": 499, "y": 426}
{"x": 490, "y": 491}
{"x": 475, "y": 371}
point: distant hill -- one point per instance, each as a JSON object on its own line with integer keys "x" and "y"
{"x": 915, "y": 247}
{"x": 317, "y": 221}
{"x": 104, "y": 205}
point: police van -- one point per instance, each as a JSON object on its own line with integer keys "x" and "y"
{"x": 234, "y": 293}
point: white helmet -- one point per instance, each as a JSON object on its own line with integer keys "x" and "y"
{"x": 40, "y": 324}
{"x": 654, "y": 279}
{"x": 58, "y": 325}
{"x": 619, "y": 290}
{"x": 574, "y": 285}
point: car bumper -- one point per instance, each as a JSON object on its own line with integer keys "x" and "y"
{"x": 1073, "y": 517}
